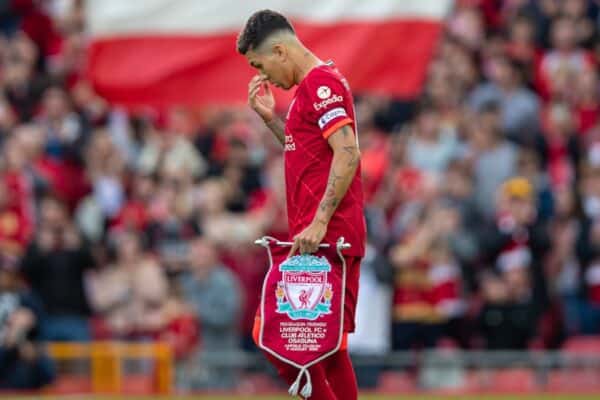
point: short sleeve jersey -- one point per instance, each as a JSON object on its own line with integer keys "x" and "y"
{"x": 321, "y": 105}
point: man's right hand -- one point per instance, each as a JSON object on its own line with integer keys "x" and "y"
{"x": 264, "y": 104}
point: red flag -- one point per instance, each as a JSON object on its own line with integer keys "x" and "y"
{"x": 164, "y": 52}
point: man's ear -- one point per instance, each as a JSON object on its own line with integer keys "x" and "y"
{"x": 280, "y": 51}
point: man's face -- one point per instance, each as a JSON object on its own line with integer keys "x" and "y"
{"x": 522, "y": 209}
{"x": 502, "y": 72}
{"x": 272, "y": 66}
{"x": 203, "y": 256}
{"x": 563, "y": 34}
{"x": 53, "y": 213}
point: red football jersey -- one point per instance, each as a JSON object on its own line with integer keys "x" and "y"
{"x": 322, "y": 104}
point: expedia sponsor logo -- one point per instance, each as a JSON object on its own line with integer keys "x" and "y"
{"x": 333, "y": 99}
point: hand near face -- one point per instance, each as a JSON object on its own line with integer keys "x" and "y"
{"x": 263, "y": 104}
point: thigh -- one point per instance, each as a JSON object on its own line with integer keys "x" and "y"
{"x": 65, "y": 329}
{"x": 430, "y": 333}
{"x": 590, "y": 319}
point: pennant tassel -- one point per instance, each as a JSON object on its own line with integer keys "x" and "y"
{"x": 306, "y": 391}
{"x": 293, "y": 390}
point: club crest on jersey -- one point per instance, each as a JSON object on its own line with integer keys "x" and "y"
{"x": 304, "y": 292}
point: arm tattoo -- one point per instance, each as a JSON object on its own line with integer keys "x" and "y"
{"x": 330, "y": 199}
{"x": 346, "y": 130}
{"x": 352, "y": 152}
{"x": 333, "y": 178}
{"x": 325, "y": 204}
{"x": 343, "y": 168}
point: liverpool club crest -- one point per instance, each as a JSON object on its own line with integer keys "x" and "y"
{"x": 304, "y": 292}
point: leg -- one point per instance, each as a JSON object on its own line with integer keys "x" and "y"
{"x": 430, "y": 333}
{"x": 32, "y": 374}
{"x": 367, "y": 375}
{"x": 338, "y": 367}
{"x": 404, "y": 335}
{"x": 340, "y": 375}
{"x": 320, "y": 388}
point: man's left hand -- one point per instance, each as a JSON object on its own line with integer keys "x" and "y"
{"x": 309, "y": 239}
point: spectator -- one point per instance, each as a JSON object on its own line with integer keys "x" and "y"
{"x": 172, "y": 220}
{"x": 588, "y": 248}
{"x": 560, "y": 145}
{"x": 517, "y": 245}
{"x": 13, "y": 224}
{"x": 131, "y": 296}
{"x": 63, "y": 127}
{"x": 223, "y": 227}
{"x": 54, "y": 265}
{"x": 135, "y": 212}
{"x": 519, "y": 106}
{"x": 563, "y": 267}
{"x": 105, "y": 169}
{"x": 560, "y": 66}
{"x": 507, "y": 319}
{"x": 431, "y": 148}
{"x": 578, "y": 11}
{"x": 427, "y": 281}
{"x": 213, "y": 292}
{"x": 587, "y": 102}
{"x": 23, "y": 87}
{"x": 171, "y": 149}
{"x": 494, "y": 158}
{"x": 23, "y": 363}
{"x": 521, "y": 45}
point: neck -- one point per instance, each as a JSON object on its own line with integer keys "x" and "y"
{"x": 201, "y": 273}
{"x": 304, "y": 62}
{"x": 507, "y": 86}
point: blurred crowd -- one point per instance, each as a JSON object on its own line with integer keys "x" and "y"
{"x": 483, "y": 198}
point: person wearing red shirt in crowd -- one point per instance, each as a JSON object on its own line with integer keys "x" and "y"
{"x": 322, "y": 165}
{"x": 560, "y": 65}
{"x": 587, "y": 102}
{"x": 15, "y": 228}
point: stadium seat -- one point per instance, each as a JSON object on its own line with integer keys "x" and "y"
{"x": 138, "y": 384}
{"x": 397, "y": 382}
{"x": 509, "y": 380}
{"x": 582, "y": 345}
{"x": 69, "y": 384}
{"x": 447, "y": 343}
{"x": 573, "y": 381}
{"x": 258, "y": 383}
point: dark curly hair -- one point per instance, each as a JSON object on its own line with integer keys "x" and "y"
{"x": 259, "y": 26}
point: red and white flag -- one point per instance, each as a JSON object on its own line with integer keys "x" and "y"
{"x": 165, "y": 52}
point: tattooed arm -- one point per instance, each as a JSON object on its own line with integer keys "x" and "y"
{"x": 346, "y": 158}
